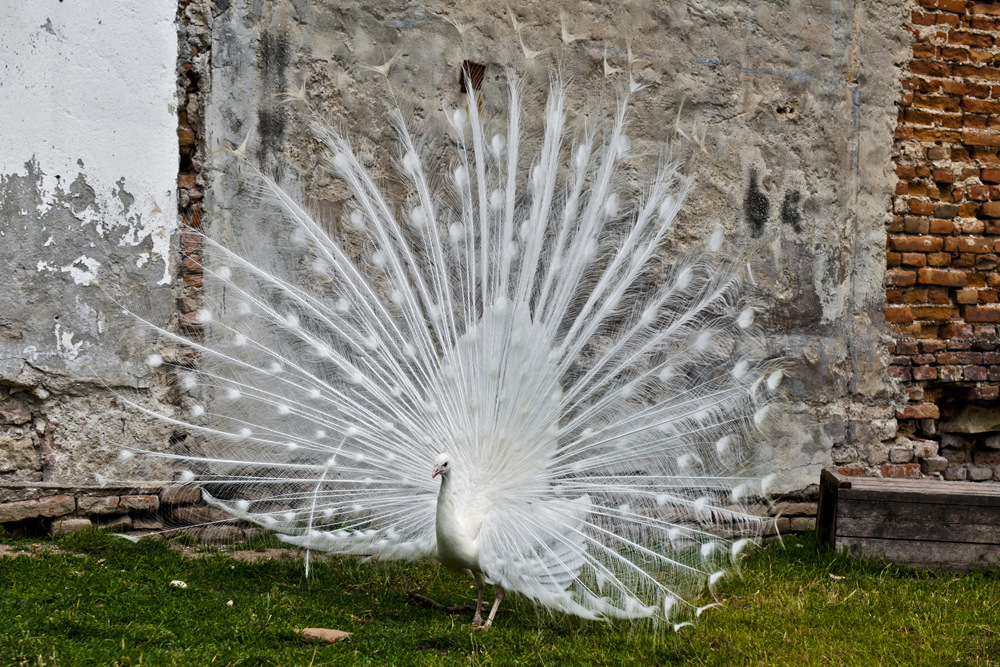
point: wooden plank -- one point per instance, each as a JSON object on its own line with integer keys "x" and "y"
{"x": 830, "y": 483}
{"x": 878, "y": 527}
{"x": 926, "y": 497}
{"x": 931, "y": 485}
{"x": 956, "y": 557}
{"x": 927, "y": 513}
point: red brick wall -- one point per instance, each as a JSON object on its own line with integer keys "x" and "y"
{"x": 943, "y": 241}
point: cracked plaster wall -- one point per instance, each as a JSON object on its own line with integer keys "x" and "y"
{"x": 88, "y": 172}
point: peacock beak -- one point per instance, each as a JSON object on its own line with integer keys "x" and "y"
{"x": 437, "y": 471}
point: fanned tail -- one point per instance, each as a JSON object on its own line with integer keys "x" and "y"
{"x": 597, "y": 387}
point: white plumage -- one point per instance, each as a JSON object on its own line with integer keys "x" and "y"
{"x": 510, "y": 325}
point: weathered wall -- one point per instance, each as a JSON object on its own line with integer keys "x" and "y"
{"x": 88, "y": 169}
{"x": 791, "y": 104}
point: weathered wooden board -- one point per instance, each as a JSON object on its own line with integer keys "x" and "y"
{"x": 951, "y": 556}
{"x": 921, "y": 523}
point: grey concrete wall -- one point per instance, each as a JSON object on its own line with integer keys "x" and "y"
{"x": 790, "y": 106}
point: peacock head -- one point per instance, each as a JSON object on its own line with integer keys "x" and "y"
{"x": 441, "y": 465}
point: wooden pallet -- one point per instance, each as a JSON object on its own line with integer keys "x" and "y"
{"x": 917, "y": 522}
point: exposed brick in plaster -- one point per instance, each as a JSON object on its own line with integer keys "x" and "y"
{"x": 943, "y": 241}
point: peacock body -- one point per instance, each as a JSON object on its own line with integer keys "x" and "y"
{"x": 510, "y": 376}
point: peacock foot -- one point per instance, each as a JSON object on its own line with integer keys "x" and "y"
{"x": 477, "y": 621}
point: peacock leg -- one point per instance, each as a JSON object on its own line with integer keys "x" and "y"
{"x": 481, "y": 585}
{"x": 496, "y": 605}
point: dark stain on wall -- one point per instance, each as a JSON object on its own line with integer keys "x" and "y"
{"x": 756, "y": 206}
{"x": 790, "y": 213}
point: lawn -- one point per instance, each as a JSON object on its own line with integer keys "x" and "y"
{"x": 93, "y": 599}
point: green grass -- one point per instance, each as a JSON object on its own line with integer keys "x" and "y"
{"x": 92, "y": 599}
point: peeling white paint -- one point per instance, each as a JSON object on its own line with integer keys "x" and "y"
{"x": 84, "y": 94}
{"x": 83, "y": 269}
{"x": 65, "y": 347}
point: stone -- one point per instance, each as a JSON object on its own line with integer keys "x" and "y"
{"x": 99, "y": 505}
{"x": 322, "y": 635}
{"x": 797, "y": 509}
{"x": 146, "y": 523}
{"x": 979, "y": 473}
{"x": 17, "y": 451}
{"x": 955, "y": 473}
{"x": 900, "y": 455}
{"x": 933, "y": 464}
{"x": 14, "y": 413}
{"x": 114, "y": 523}
{"x": 41, "y": 507}
{"x": 801, "y": 524}
{"x": 140, "y": 503}
{"x": 952, "y": 441}
{"x": 973, "y": 419}
{"x": 193, "y": 515}
{"x": 187, "y": 494}
{"x": 70, "y": 524}
{"x": 993, "y": 442}
{"x": 222, "y": 535}
{"x": 923, "y": 449}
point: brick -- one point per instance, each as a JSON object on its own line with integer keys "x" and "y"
{"x": 986, "y": 313}
{"x": 990, "y": 175}
{"x": 943, "y": 176}
{"x": 907, "y": 347}
{"x": 974, "y": 105}
{"x": 939, "y": 259}
{"x": 900, "y": 314}
{"x": 924, "y": 373}
{"x": 186, "y": 181}
{"x": 916, "y": 225}
{"x": 960, "y": 358}
{"x": 923, "y": 411}
{"x": 938, "y": 313}
{"x": 967, "y": 296}
{"x": 950, "y": 373}
{"x": 920, "y": 207}
{"x": 901, "y": 470}
{"x": 901, "y": 278}
{"x": 905, "y": 171}
{"x": 988, "y": 8}
{"x": 955, "y": 6}
{"x": 974, "y": 374}
{"x": 932, "y": 346}
{"x": 913, "y": 259}
{"x": 893, "y": 259}
{"x": 977, "y": 138}
{"x": 968, "y": 244}
{"x": 984, "y": 393}
{"x": 945, "y": 211}
{"x": 950, "y": 331}
{"x": 991, "y": 209}
{"x": 946, "y": 277}
{"x": 917, "y": 243}
{"x": 941, "y": 227}
{"x": 900, "y": 373}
